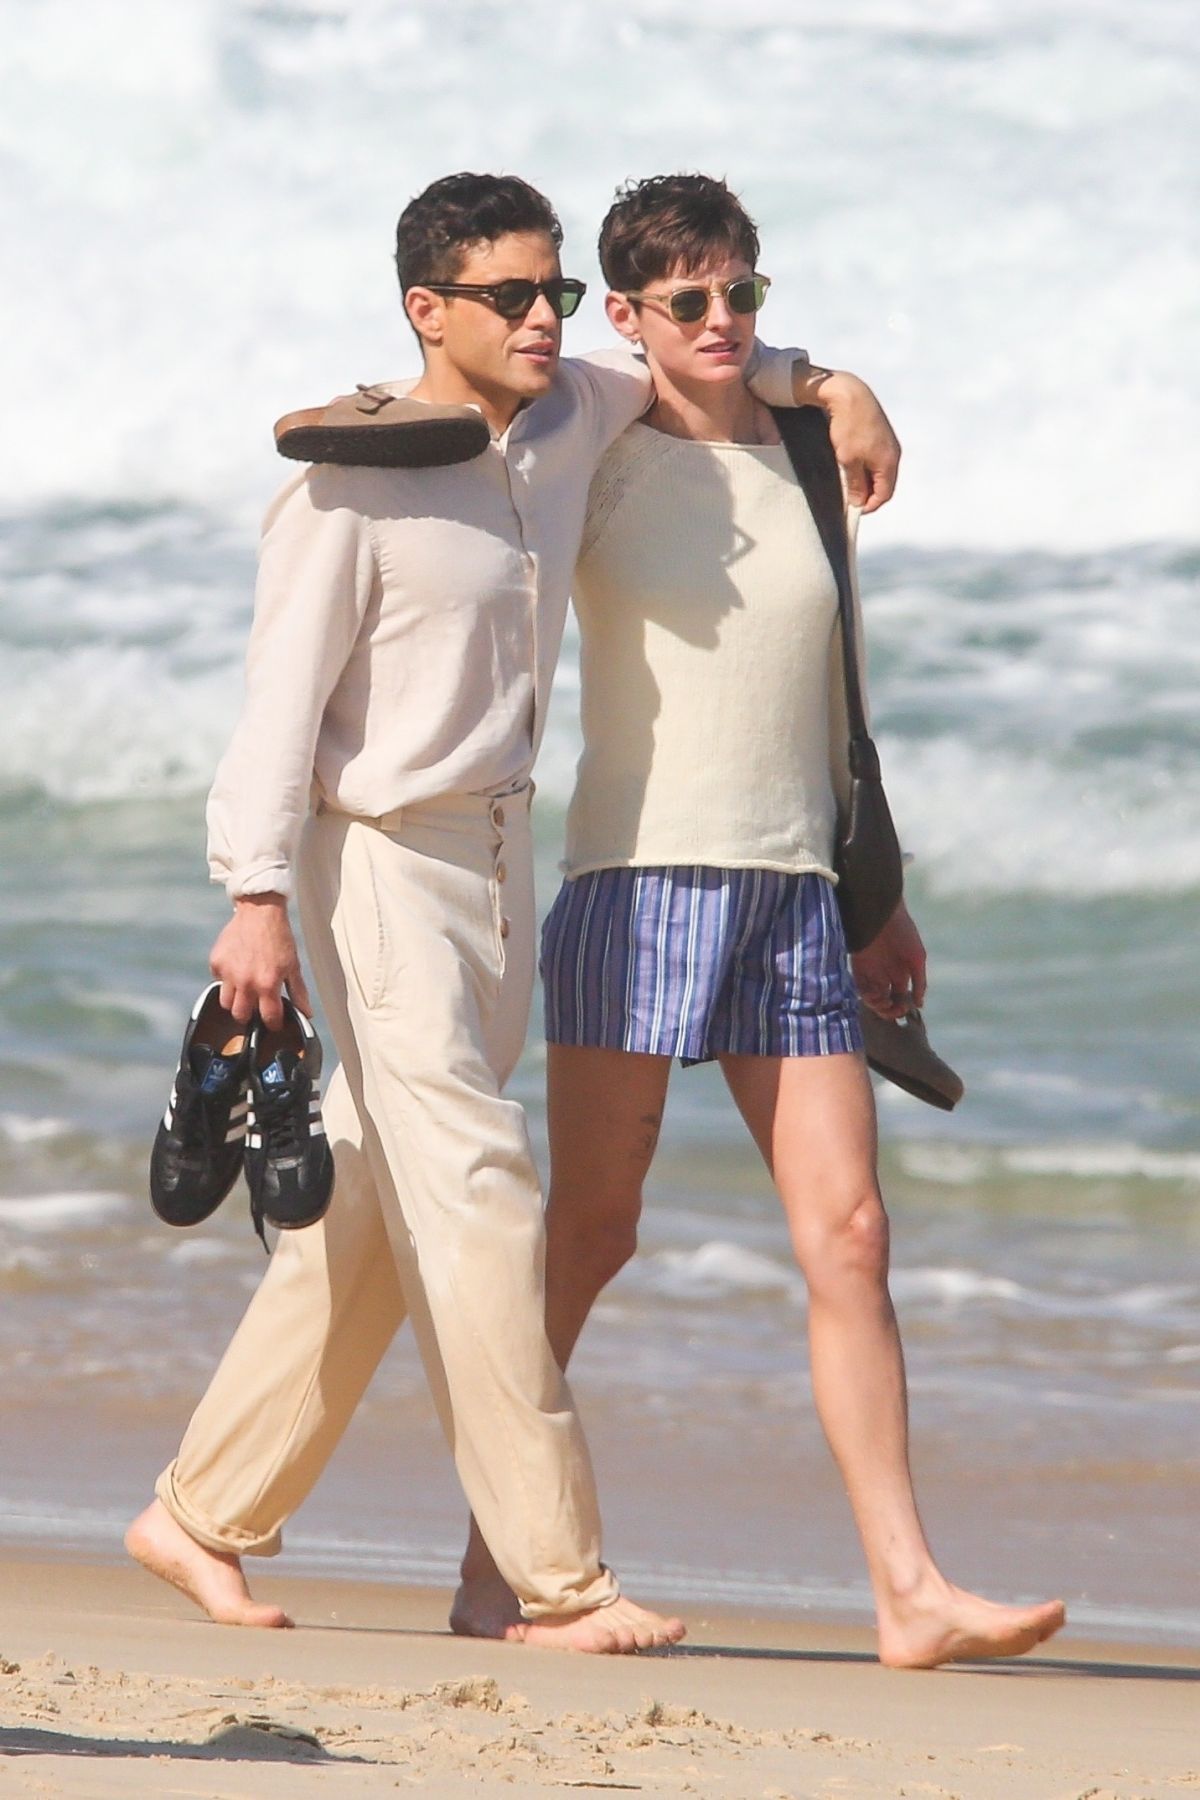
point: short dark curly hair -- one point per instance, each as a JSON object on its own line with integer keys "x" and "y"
{"x": 670, "y": 222}
{"x": 438, "y": 229}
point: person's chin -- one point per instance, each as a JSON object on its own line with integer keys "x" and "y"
{"x": 718, "y": 370}
{"x": 534, "y": 375}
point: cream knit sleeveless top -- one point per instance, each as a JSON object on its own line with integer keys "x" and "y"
{"x": 712, "y": 687}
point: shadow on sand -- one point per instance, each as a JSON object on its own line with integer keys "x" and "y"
{"x": 239, "y": 1740}
{"x": 1026, "y": 1666}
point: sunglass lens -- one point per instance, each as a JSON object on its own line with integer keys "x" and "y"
{"x": 514, "y": 298}
{"x": 567, "y": 298}
{"x": 688, "y": 305}
{"x": 746, "y": 296}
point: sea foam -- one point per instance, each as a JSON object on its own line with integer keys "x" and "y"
{"x": 987, "y": 210}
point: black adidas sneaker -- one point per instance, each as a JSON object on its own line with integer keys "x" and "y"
{"x": 198, "y": 1147}
{"x": 289, "y": 1165}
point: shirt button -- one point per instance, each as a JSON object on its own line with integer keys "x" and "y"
{"x": 504, "y": 928}
{"x": 501, "y": 871}
{"x": 498, "y": 815}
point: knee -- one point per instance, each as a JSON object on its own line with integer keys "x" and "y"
{"x": 850, "y": 1248}
{"x": 599, "y": 1239}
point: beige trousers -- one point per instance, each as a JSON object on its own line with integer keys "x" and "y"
{"x": 420, "y": 932}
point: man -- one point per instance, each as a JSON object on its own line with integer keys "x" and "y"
{"x": 406, "y": 631}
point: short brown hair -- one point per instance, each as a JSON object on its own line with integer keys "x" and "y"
{"x": 672, "y": 221}
{"x": 441, "y": 226}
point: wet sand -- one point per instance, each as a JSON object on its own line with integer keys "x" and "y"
{"x": 113, "y": 1686}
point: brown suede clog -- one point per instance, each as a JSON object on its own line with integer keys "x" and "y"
{"x": 900, "y": 1051}
{"x": 379, "y": 430}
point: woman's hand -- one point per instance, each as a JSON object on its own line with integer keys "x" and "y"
{"x": 863, "y": 440}
{"x": 890, "y": 972}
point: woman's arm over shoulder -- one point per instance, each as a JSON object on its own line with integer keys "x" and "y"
{"x": 615, "y": 386}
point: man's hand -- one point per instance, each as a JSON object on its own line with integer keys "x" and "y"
{"x": 890, "y": 972}
{"x": 255, "y": 958}
{"x": 863, "y": 440}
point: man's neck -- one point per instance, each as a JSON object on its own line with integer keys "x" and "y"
{"x": 719, "y": 415}
{"x": 444, "y": 385}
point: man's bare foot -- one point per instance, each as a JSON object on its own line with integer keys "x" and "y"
{"x": 946, "y": 1624}
{"x": 484, "y": 1607}
{"x": 213, "y": 1579}
{"x": 620, "y": 1629}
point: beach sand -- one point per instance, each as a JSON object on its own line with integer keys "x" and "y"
{"x": 113, "y": 1686}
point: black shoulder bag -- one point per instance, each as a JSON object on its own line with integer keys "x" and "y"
{"x": 866, "y": 858}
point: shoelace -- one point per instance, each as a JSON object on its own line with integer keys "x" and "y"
{"x": 275, "y": 1112}
{"x": 275, "y": 1118}
{"x": 194, "y": 1121}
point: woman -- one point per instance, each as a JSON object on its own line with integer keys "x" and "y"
{"x": 698, "y": 918}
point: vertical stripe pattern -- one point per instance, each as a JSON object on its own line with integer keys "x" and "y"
{"x": 695, "y": 962}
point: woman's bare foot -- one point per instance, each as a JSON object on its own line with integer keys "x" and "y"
{"x": 946, "y": 1624}
{"x": 213, "y": 1579}
{"x": 620, "y": 1629}
{"x": 484, "y": 1607}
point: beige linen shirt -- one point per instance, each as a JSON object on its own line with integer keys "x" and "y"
{"x": 407, "y": 622}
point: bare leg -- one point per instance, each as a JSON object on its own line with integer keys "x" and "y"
{"x": 211, "y": 1578}
{"x": 604, "y": 1108}
{"x": 813, "y": 1119}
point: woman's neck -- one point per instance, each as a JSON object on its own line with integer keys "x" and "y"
{"x": 725, "y": 414}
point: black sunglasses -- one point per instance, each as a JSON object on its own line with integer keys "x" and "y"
{"x": 688, "y": 305}
{"x": 512, "y": 299}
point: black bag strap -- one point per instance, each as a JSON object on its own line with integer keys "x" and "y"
{"x": 805, "y": 434}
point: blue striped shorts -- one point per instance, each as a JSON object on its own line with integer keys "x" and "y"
{"x": 697, "y": 962}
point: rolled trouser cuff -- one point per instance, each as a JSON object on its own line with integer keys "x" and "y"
{"x": 601, "y": 1591}
{"x": 226, "y": 1540}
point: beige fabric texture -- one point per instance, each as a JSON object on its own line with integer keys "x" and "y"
{"x": 713, "y": 697}
{"x": 420, "y": 930}
{"x": 407, "y": 621}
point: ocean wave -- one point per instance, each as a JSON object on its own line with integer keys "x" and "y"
{"x": 23, "y": 1128}
{"x": 715, "y": 1268}
{"x": 953, "y": 1287}
{"x": 52, "y": 1212}
{"x": 956, "y": 1165}
{"x": 1092, "y": 1162}
{"x": 936, "y": 189}
{"x": 723, "y": 1269}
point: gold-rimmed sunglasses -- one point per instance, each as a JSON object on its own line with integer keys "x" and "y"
{"x": 688, "y": 305}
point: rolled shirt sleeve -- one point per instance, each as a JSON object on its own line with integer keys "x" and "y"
{"x": 316, "y": 577}
{"x": 770, "y": 374}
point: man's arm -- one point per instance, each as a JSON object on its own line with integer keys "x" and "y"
{"x": 255, "y": 957}
{"x": 862, "y": 437}
{"x": 316, "y": 576}
{"x": 861, "y": 433}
